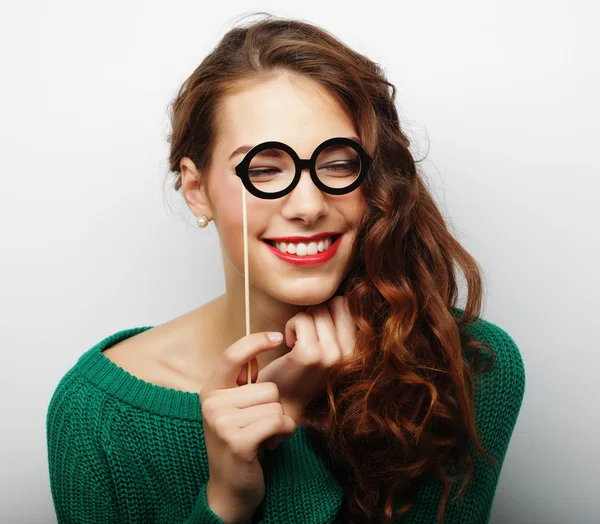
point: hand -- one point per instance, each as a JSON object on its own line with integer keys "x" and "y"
{"x": 319, "y": 337}
{"x": 237, "y": 420}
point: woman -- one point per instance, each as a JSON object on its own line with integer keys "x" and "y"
{"x": 384, "y": 396}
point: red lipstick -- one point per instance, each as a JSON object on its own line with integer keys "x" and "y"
{"x": 307, "y": 260}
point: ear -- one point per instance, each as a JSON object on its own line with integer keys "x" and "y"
{"x": 193, "y": 189}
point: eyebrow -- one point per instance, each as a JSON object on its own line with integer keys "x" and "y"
{"x": 245, "y": 148}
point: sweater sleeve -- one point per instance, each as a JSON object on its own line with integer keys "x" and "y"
{"x": 499, "y": 393}
{"x": 80, "y": 480}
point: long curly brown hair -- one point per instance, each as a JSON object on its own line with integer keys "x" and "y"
{"x": 403, "y": 406}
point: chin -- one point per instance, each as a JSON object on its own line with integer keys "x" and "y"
{"x": 305, "y": 294}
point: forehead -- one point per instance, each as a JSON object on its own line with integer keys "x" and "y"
{"x": 290, "y": 109}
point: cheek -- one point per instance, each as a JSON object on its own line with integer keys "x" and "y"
{"x": 231, "y": 224}
{"x": 227, "y": 200}
{"x": 353, "y": 209}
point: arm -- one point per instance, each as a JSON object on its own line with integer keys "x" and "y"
{"x": 499, "y": 394}
{"x": 81, "y": 483}
{"x": 80, "y": 500}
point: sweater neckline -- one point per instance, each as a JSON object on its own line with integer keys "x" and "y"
{"x": 120, "y": 384}
{"x": 117, "y": 382}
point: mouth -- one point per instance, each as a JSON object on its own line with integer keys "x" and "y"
{"x": 305, "y": 254}
{"x": 332, "y": 237}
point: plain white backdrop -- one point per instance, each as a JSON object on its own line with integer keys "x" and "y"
{"x": 502, "y": 98}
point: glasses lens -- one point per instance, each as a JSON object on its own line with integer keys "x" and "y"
{"x": 271, "y": 170}
{"x": 338, "y": 166}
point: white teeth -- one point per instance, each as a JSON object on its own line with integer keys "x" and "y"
{"x": 302, "y": 249}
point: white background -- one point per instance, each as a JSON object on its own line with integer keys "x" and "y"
{"x": 505, "y": 96}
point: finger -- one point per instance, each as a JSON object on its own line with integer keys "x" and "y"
{"x": 240, "y": 418}
{"x": 227, "y": 369}
{"x": 301, "y": 330}
{"x": 246, "y": 395}
{"x": 326, "y": 334}
{"x": 243, "y": 376}
{"x": 255, "y": 434}
{"x": 292, "y": 325}
{"x": 345, "y": 326}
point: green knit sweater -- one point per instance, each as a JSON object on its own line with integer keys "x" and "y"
{"x": 122, "y": 450}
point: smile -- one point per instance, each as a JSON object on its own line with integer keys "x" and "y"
{"x": 311, "y": 253}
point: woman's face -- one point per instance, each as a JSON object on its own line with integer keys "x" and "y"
{"x": 298, "y": 112}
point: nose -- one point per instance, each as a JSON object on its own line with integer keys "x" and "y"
{"x": 306, "y": 201}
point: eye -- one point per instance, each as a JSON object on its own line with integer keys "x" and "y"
{"x": 341, "y": 167}
{"x": 262, "y": 172}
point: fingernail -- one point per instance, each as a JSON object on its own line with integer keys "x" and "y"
{"x": 275, "y": 337}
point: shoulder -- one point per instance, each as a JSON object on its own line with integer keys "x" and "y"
{"x": 78, "y": 409}
{"x": 173, "y": 345}
{"x": 165, "y": 356}
{"x": 82, "y": 390}
{"x": 86, "y": 390}
{"x": 507, "y": 358}
{"x": 500, "y": 388}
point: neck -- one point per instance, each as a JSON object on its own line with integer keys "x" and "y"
{"x": 228, "y": 321}
{"x": 266, "y": 314}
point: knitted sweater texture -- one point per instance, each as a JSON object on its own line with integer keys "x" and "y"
{"x": 122, "y": 450}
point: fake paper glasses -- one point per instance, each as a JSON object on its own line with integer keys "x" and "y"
{"x": 272, "y": 169}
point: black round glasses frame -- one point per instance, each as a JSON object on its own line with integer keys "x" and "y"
{"x": 241, "y": 169}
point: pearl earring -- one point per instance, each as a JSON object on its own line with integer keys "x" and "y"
{"x": 203, "y": 221}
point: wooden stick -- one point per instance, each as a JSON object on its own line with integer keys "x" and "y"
{"x": 246, "y": 281}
